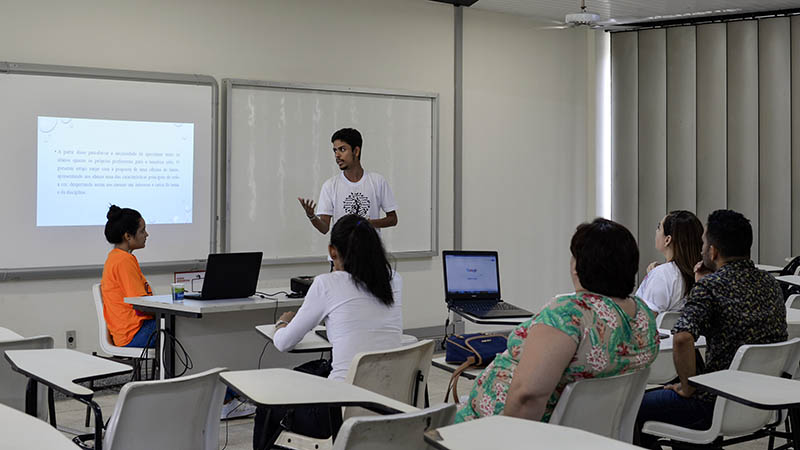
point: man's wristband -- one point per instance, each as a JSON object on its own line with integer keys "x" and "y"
{"x": 311, "y": 218}
{"x": 280, "y": 322}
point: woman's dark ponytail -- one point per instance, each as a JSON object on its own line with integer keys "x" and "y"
{"x": 363, "y": 256}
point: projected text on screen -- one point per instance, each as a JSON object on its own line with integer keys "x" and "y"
{"x": 86, "y": 164}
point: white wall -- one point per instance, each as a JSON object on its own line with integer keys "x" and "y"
{"x": 372, "y": 43}
{"x": 525, "y": 118}
{"x": 525, "y": 149}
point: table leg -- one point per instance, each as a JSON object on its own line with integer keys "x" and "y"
{"x": 169, "y": 345}
{"x": 31, "y": 397}
{"x": 51, "y": 406}
{"x": 268, "y": 441}
{"x": 159, "y": 362}
{"x": 335, "y": 421}
{"x": 794, "y": 421}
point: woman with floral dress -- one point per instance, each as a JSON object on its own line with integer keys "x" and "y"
{"x": 599, "y": 331}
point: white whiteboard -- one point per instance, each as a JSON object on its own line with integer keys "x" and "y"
{"x": 279, "y": 148}
{"x": 31, "y": 91}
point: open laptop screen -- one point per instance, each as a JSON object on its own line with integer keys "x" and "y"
{"x": 471, "y": 275}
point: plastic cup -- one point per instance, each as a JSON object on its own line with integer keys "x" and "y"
{"x": 177, "y": 291}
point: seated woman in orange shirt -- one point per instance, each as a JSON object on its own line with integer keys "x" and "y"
{"x": 122, "y": 277}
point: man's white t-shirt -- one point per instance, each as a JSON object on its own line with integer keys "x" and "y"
{"x": 366, "y": 198}
{"x": 662, "y": 288}
{"x": 356, "y": 320}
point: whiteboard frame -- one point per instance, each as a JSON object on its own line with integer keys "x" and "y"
{"x": 124, "y": 75}
{"x": 228, "y": 84}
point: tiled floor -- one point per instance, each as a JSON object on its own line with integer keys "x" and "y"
{"x": 237, "y": 434}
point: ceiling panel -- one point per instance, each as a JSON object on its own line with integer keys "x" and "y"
{"x": 633, "y": 10}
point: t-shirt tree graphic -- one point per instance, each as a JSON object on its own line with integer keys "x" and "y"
{"x": 357, "y": 203}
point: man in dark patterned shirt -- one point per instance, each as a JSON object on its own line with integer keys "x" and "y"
{"x": 731, "y": 304}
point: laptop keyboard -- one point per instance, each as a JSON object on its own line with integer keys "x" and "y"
{"x": 490, "y": 306}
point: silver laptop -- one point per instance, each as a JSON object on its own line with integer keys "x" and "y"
{"x": 472, "y": 285}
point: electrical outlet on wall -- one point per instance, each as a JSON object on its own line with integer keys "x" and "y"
{"x": 71, "y": 341}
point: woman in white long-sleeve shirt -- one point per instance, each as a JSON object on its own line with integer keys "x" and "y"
{"x": 679, "y": 237}
{"x": 355, "y": 319}
{"x": 360, "y": 304}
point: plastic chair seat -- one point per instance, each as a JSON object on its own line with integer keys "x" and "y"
{"x": 395, "y": 431}
{"x": 682, "y": 434}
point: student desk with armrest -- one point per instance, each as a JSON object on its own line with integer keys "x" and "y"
{"x": 510, "y": 432}
{"x": 755, "y": 390}
{"x": 23, "y": 431}
{"x": 288, "y": 388}
{"x": 311, "y": 342}
{"x": 60, "y": 369}
{"x": 8, "y": 335}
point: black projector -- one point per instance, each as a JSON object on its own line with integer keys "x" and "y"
{"x": 300, "y": 285}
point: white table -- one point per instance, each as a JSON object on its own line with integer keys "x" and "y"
{"x": 666, "y": 342}
{"x": 288, "y": 388}
{"x": 23, "y": 431}
{"x": 311, "y": 342}
{"x": 504, "y": 321}
{"x": 755, "y": 390}
{"x": 197, "y": 308}
{"x": 768, "y": 268}
{"x": 60, "y": 369}
{"x": 225, "y": 324}
{"x": 510, "y": 432}
{"x": 8, "y": 335}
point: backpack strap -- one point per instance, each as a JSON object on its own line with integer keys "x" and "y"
{"x": 453, "y": 384}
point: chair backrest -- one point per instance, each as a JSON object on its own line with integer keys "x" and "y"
{"x": 735, "y": 419}
{"x": 178, "y": 414}
{"x": 793, "y": 302}
{"x": 104, "y": 337}
{"x": 605, "y": 406}
{"x": 662, "y": 371}
{"x": 792, "y": 367}
{"x": 13, "y": 384}
{"x": 667, "y": 319}
{"x": 399, "y": 373}
{"x": 395, "y": 431}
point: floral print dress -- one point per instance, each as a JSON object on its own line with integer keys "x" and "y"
{"x": 609, "y": 343}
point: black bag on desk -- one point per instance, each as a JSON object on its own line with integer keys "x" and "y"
{"x": 474, "y": 350}
{"x": 319, "y": 367}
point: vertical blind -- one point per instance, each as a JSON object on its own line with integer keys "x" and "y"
{"x": 705, "y": 117}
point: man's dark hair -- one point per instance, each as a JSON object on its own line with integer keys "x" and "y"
{"x": 606, "y": 257}
{"x": 351, "y": 136}
{"x": 730, "y": 232}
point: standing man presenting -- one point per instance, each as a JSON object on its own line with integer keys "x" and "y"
{"x": 354, "y": 191}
